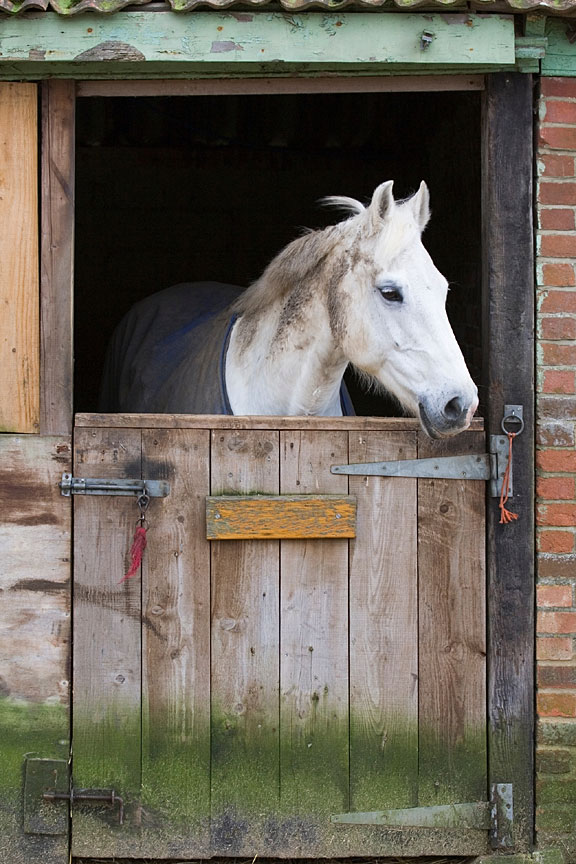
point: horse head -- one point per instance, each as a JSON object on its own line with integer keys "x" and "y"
{"x": 391, "y": 320}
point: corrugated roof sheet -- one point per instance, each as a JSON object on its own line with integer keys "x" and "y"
{"x": 74, "y": 7}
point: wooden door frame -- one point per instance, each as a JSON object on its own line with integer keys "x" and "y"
{"x": 508, "y": 278}
{"x": 508, "y": 318}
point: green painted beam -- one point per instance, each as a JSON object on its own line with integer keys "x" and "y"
{"x": 159, "y": 44}
{"x": 560, "y": 56}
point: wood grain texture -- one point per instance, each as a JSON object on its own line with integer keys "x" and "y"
{"x": 57, "y": 256}
{"x": 219, "y": 421}
{"x": 107, "y": 646}
{"x": 452, "y": 631}
{"x": 35, "y": 551}
{"x": 176, "y": 649}
{"x": 35, "y": 544}
{"x": 384, "y": 630}
{"x": 19, "y": 288}
{"x": 314, "y": 712}
{"x": 230, "y": 517}
{"x": 508, "y": 276}
{"x": 245, "y": 649}
{"x": 168, "y": 47}
{"x": 253, "y": 86}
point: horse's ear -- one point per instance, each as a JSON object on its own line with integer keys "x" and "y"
{"x": 382, "y": 202}
{"x": 421, "y": 206}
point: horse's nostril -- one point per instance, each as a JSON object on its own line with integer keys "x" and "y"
{"x": 453, "y": 409}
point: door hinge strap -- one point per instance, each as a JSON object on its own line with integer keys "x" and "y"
{"x": 70, "y": 485}
{"x": 476, "y": 466}
{"x": 495, "y": 816}
{"x": 450, "y": 816}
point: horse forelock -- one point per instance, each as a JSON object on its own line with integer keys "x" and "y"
{"x": 396, "y": 236}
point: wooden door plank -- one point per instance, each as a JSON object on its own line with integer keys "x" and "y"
{"x": 384, "y": 630}
{"x": 107, "y": 646}
{"x": 19, "y": 288}
{"x": 508, "y": 300}
{"x": 245, "y": 648}
{"x": 57, "y": 255}
{"x": 452, "y": 625}
{"x": 176, "y": 649}
{"x": 222, "y": 421}
{"x": 314, "y": 716}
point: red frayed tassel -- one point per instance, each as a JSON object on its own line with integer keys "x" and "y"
{"x": 136, "y": 552}
{"x": 506, "y": 516}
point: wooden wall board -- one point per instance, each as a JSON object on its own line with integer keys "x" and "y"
{"x": 176, "y": 648}
{"x": 384, "y": 628}
{"x": 452, "y": 631}
{"x": 35, "y": 547}
{"x": 57, "y": 256}
{"x": 19, "y": 290}
{"x": 245, "y": 781}
{"x": 314, "y": 713}
{"x": 107, "y": 665}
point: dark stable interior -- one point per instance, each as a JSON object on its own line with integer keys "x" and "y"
{"x": 184, "y": 189}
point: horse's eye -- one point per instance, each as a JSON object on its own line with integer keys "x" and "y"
{"x": 391, "y": 293}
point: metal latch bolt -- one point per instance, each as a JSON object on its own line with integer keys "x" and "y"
{"x": 118, "y": 486}
{"x": 495, "y": 816}
{"x": 90, "y": 796}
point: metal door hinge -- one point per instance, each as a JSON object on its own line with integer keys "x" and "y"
{"x": 48, "y": 796}
{"x": 477, "y": 466}
{"x": 70, "y": 485}
{"x": 495, "y": 816}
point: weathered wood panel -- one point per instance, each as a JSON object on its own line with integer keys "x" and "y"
{"x": 220, "y": 421}
{"x": 256, "y": 86}
{"x": 57, "y": 256}
{"x": 245, "y": 649}
{"x": 107, "y": 646}
{"x": 384, "y": 630}
{"x": 168, "y": 46}
{"x": 19, "y": 289}
{"x": 35, "y": 550}
{"x": 508, "y": 275}
{"x": 314, "y": 714}
{"x": 452, "y": 631}
{"x": 280, "y": 517}
{"x": 305, "y": 677}
{"x": 176, "y": 649}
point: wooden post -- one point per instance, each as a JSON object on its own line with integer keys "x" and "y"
{"x": 57, "y": 256}
{"x": 508, "y": 327}
{"x": 19, "y": 348}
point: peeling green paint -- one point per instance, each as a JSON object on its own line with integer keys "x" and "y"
{"x": 141, "y": 44}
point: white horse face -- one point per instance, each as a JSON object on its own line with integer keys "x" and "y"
{"x": 396, "y": 326}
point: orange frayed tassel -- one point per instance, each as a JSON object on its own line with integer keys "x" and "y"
{"x": 136, "y": 552}
{"x": 507, "y": 516}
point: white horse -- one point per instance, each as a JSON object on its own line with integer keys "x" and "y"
{"x": 364, "y": 291}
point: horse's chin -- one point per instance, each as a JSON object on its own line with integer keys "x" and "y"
{"x": 432, "y": 431}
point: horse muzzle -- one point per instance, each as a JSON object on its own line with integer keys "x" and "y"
{"x": 447, "y": 418}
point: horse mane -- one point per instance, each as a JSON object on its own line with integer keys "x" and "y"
{"x": 342, "y": 202}
{"x": 291, "y": 268}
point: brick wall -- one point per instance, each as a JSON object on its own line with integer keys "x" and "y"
{"x": 556, "y": 464}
